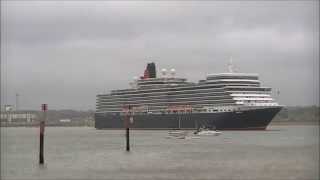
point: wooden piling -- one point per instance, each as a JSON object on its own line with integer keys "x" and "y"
{"x": 128, "y": 139}
{"x": 42, "y": 126}
{"x": 127, "y": 127}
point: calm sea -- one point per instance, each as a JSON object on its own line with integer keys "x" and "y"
{"x": 282, "y": 152}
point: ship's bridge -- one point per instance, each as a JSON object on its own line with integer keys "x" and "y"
{"x": 234, "y": 79}
{"x": 244, "y": 88}
{"x": 233, "y": 75}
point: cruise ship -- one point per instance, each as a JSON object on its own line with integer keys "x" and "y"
{"x": 222, "y": 101}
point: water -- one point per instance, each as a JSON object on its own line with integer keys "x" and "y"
{"x": 282, "y": 152}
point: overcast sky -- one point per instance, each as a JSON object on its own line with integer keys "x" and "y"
{"x": 64, "y": 53}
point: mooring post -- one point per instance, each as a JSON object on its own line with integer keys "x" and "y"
{"x": 42, "y": 125}
{"x": 127, "y": 119}
{"x": 128, "y": 139}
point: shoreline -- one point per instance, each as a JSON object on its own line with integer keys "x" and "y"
{"x": 285, "y": 123}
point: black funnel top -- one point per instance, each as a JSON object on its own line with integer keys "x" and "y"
{"x": 151, "y": 67}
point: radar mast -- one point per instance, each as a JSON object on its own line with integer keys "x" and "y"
{"x": 230, "y": 66}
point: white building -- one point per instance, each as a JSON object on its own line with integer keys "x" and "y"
{"x": 17, "y": 116}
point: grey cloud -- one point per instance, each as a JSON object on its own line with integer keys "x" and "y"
{"x": 120, "y": 21}
{"x": 67, "y": 52}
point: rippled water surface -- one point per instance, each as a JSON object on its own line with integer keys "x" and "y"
{"x": 282, "y": 152}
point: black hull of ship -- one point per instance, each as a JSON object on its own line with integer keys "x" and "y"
{"x": 255, "y": 119}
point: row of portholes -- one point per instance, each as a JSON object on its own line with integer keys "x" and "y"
{"x": 220, "y": 110}
{"x": 254, "y": 101}
{"x": 253, "y": 97}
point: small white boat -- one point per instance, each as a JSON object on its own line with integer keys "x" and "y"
{"x": 207, "y": 133}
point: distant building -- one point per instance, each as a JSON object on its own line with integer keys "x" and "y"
{"x": 8, "y": 108}
{"x": 65, "y": 120}
{"x": 17, "y": 116}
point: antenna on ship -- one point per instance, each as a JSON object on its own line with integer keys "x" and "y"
{"x": 230, "y": 65}
{"x": 278, "y": 95}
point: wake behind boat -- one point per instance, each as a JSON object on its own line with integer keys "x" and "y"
{"x": 177, "y": 133}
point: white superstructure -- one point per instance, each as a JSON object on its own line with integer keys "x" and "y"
{"x": 169, "y": 94}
